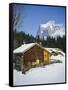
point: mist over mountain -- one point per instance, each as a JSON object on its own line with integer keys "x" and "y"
{"x": 51, "y": 29}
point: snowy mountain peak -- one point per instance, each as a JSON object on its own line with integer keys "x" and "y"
{"x": 51, "y": 29}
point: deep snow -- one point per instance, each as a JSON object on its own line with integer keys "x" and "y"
{"x": 53, "y": 73}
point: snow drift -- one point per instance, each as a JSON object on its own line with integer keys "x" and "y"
{"x": 53, "y": 73}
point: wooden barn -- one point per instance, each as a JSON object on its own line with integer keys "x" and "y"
{"x": 31, "y": 55}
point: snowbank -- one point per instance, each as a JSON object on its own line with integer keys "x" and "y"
{"x": 58, "y": 57}
{"x": 53, "y": 73}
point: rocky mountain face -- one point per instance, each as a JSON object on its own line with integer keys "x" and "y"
{"x": 51, "y": 29}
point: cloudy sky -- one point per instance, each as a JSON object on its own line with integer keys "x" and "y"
{"x": 32, "y": 16}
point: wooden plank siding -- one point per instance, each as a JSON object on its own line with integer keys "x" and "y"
{"x": 36, "y": 55}
{"x": 47, "y": 56}
{"x": 33, "y": 55}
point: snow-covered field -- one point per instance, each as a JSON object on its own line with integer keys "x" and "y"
{"x": 53, "y": 73}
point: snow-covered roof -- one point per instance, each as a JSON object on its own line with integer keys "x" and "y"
{"x": 52, "y": 49}
{"x": 56, "y": 50}
{"x": 23, "y": 48}
{"x": 55, "y": 58}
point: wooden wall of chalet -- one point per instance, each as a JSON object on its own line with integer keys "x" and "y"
{"x": 47, "y": 56}
{"x": 34, "y": 55}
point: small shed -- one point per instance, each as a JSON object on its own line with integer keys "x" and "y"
{"x": 55, "y": 51}
{"x": 31, "y": 55}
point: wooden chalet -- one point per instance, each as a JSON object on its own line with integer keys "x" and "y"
{"x": 31, "y": 55}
